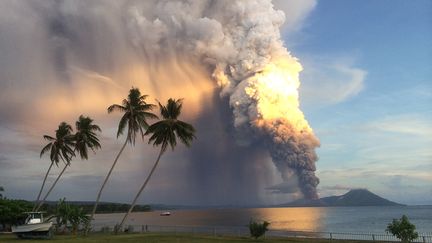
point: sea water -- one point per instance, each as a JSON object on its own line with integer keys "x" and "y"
{"x": 316, "y": 219}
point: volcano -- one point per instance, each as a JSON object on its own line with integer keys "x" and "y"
{"x": 355, "y": 197}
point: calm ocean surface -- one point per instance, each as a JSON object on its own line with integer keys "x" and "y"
{"x": 334, "y": 219}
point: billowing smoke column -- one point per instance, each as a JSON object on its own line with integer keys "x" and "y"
{"x": 240, "y": 43}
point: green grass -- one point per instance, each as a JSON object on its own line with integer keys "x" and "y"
{"x": 163, "y": 238}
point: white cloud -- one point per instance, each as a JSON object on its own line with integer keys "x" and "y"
{"x": 328, "y": 81}
{"x": 408, "y": 124}
{"x": 397, "y": 139}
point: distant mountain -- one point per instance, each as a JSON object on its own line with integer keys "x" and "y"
{"x": 355, "y": 197}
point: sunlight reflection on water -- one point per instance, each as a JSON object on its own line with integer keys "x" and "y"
{"x": 297, "y": 219}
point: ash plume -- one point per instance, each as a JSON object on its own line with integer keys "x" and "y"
{"x": 238, "y": 41}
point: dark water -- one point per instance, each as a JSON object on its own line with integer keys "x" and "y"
{"x": 335, "y": 219}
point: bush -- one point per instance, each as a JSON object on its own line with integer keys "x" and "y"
{"x": 402, "y": 229}
{"x": 258, "y": 229}
{"x": 11, "y": 212}
{"x": 70, "y": 217}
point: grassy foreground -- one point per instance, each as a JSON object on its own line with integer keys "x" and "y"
{"x": 163, "y": 238}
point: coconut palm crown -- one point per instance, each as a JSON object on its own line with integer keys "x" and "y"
{"x": 85, "y": 136}
{"x": 60, "y": 147}
{"x": 164, "y": 133}
{"x": 136, "y": 112}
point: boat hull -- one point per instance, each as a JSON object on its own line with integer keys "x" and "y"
{"x": 39, "y": 227}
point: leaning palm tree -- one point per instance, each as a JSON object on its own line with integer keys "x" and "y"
{"x": 60, "y": 148}
{"x": 84, "y": 138}
{"x": 136, "y": 112}
{"x": 165, "y": 133}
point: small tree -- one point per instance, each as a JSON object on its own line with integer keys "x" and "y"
{"x": 61, "y": 214}
{"x": 67, "y": 214}
{"x": 78, "y": 217}
{"x": 403, "y": 229}
{"x": 258, "y": 229}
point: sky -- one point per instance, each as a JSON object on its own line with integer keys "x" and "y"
{"x": 375, "y": 126}
{"x": 366, "y": 91}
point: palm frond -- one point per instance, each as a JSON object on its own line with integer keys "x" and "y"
{"x": 95, "y": 128}
{"x": 83, "y": 152}
{"x": 45, "y": 149}
{"x": 49, "y": 138}
{"x": 149, "y": 115}
{"x": 163, "y": 110}
{"x": 122, "y": 124}
{"x": 146, "y": 107}
{"x": 116, "y": 107}
{"x": 185, "y": 132}
{"x": 65, "y": 156}
{"x": 54, "y": 154}
{"x": 143, "y": 97}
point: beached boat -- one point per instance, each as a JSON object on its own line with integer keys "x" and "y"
{"x": 165, "y": 213}
{"x": 34, "y": 227}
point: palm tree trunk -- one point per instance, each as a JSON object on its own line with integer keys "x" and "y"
{"x": 52, "y": 187}
{"x": 106, "y": 179}
{"x": 141, "y": 189}
{"x": 43, "y": 185}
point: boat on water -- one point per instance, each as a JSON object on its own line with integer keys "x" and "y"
{"x": 34, "y": 227}
{"x": 165, "y": 213}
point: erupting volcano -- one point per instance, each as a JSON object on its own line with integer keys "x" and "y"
{"x": 266, "y": 104}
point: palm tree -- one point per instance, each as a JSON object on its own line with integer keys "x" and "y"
{"x": 165, "y": 133}
{"x": 60, "y": 148}
{"x": 84, "y": 138}
{"x": 136, "y": 112}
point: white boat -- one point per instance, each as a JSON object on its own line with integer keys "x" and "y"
{"x": 165, "y": 213}
{"x": 34, "y": 227}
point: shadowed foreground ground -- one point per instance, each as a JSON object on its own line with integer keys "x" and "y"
{"x": 164, "y": 238}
